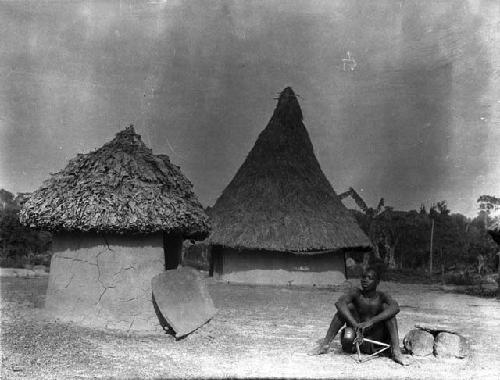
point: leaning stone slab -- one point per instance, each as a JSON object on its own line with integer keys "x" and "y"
{"x": 419, "y": 342}
{"x": 436, "y": 329}
{"x": 182, "y": 299}
{"x": 448, "y": 345}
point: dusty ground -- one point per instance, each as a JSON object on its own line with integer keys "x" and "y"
{"x": 258, "y": 332}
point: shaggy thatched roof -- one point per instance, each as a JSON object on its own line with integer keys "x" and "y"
{"x": 121, "y": 187}
{"x": 280, "y": 199}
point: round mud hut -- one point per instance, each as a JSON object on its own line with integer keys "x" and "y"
{"x": 119, "y": 216}
{"x": 279, "y": 221}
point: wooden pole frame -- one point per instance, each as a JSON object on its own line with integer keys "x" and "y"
{"x": 360, "y": 339}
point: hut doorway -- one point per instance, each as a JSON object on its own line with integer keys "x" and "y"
{"x": 216, "y": 262}
{"x": 172, "y": 246}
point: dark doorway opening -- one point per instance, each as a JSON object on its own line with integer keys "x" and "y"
{"x": 172, "y": 248}
{"x": 215, "y": 261}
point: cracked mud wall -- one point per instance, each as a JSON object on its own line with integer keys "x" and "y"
{"x": 105, "y": 280}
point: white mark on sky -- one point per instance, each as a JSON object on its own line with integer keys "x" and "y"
{"x": 349, "y": 62}
{"x": 170, "y": 146}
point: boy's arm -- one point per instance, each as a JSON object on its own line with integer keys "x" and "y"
{"x": 390, "y": 311}
{"x": 342, "y": 306}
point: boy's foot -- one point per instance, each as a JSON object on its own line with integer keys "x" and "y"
{"x": 320, "y": 350}
{"x": 400, "y": 359}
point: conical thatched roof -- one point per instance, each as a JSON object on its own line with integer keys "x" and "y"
{"x": 280, "y": 199}
{"x": 121, "y": 187}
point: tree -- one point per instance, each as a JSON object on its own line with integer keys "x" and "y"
{"x": 489, "y": 207}
{"x": 442, "y": 207}
{"x": 423, "y": 210}
{"x": 414, "y": 242}
{"x": 389, "y": 229}
{"x": 489, "y": 203}
{"x": 7, "y": 200}
{"x": 389, "y": 225}
{"x": 367, "y": 221}
{"x": 7, "y": 217}
{"x": 402, "y": 238}
{"x": 404, "y": 235}
{"x": 16, "y": 240}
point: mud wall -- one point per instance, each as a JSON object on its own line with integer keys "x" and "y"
{"x": 105, "y": 280}
{"x": 278, "y": 268}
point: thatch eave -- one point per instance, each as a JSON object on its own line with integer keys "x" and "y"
{"x": 309, "y": 252}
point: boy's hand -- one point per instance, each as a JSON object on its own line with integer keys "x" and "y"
{"x": 365, "y": 325}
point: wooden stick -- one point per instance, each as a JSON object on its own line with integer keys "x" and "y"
{"x": 375, "y": 353}
{"x": 377, "y": 342}
{"x": 385, "y": 346}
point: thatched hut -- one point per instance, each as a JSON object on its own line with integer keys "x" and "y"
{"x": 279, "y": 221}
{"x": 118, "y": 217}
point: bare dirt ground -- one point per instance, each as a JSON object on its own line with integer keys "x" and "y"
{"x": 257, "y": 332}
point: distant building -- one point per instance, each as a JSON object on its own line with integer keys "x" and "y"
{"x": 279, "y": 221}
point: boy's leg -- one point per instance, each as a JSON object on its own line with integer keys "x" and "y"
{"x": 378, "y": 332}
{"x": 336, "y": 324}
{"x": 347, "y": 339}
{"x": 392, "y": 328}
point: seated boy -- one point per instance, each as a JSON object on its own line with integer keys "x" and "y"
{"x": 371, "y": 311}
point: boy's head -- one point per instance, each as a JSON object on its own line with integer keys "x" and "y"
{"x": 370, "y": 279}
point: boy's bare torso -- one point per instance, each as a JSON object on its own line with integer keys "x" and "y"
{"x": 368, "y": 307}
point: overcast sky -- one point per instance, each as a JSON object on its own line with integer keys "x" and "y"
{"x": 416, "y": 121}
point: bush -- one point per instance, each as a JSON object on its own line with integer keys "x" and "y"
{"x": 41, "y": 259}
{"x": 25, "y": 260}
{"x": 480, "y": 292}
{"x": 460, "y": 278}
{"x": 409, "y": 276}
{"x": 14, "y": 261}
{"x": 20, "y": 246}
